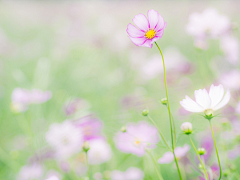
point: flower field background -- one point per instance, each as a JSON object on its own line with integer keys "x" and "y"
{"x": 71, "y": 79}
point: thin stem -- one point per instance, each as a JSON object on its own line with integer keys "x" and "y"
{"x": 216, "y": 151}
{"x": 174, "y": 130}
{"x": 156, "y": 166}
{"x": 199, "y": 157}
{"x": 88, "y": 166}
{"x": 159, "y": 132}
{"x": 169, "y": 112}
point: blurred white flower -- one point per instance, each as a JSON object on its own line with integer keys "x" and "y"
{"x": 230, "y": 46}
{"x": 231, "y": 79}
{"x": 174, "y": 60}
{"x": 65, "y": 138}
{"x": 53, "y": 178}
{"x": 168, "y": 157}
{"x": 99, "y": 152}
{"x": 30, "y": 172}
{"x": 207, "y": 102}
{"x": 131, "y": 173}
{"x": 98, "y": 176}
{"x": 208, "y": 24}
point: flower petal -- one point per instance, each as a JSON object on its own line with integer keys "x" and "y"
{"x": 141, "y": 21}
{"x": 190, "y": 105}
{"x": 161, "y": 24}
{"x": 148, "y": 43}
{"x": 153, "y": 18}
{"x": 138, "y": 41}
{"x": 134, "y": 32}
{"x": 166, "y": 158}
{"x": 202, "y": 98}
{"x": 216, "y": 94}
{"x": 223, "y": 102}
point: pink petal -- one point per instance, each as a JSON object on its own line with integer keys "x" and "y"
{"x": 161, "y": 24}
{"x": 148, "y": 43}
{"x": 153, "y": 18}
{"x": 141, "y": 21}
{"x": 134, "y": 32}
{"x": 138, "y": 41}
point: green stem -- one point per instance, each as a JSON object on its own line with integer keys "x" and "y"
{"x": 88, "y": 166}
{"x": 216, "y": 150}
{"x": 169, "y": 112}
{"x": 159, "y": 132}
{"x": 199, "y": 157}
{"x": 156, "y": 166}
{"x": 174, "y": 130}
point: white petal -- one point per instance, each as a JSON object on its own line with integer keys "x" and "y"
{"x": 216, "y": 94}
{"x": 223, "y": 102}
{"x": 202, "y": 98}
{"x": 191, "y": 105}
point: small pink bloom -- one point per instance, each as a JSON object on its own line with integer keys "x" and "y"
{"x": 137, "y": 139}
{"x": 148, "y": 31}
{"x": 179, "y": 152}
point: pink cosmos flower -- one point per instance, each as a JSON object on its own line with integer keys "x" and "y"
{"x": 131, "y": 173}
{"x": 148, "y": 31}
{"x": 90, "y": 126}
{"x": 137, "y": 139}
{"x": 179, "y": 152}
{"x": 231, "y": 79}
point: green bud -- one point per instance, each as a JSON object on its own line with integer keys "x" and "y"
{"x": 86, "y": 146}
{"x": 164, "y": 101}
{"x": 201, "y": 151}
{"x": 145, "y": 112}
{"x": 200, "y": 166}
{"x": 226, "y": 172}
{"x": 123, "y": 129}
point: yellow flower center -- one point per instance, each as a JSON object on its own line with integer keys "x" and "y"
{"x": 150, "y": 34}
{"x": 137, "y": 142}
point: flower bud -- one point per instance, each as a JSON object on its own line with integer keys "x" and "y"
{"x": 201, "y": 151}
{"x": 145, "y": 112}
{"x": 86, "y": 146}
{"x": 164, "y": 101}
{"x": 200, "y": 166}
{"x": 123, "y": 129}
{"x": 186, "y": 127}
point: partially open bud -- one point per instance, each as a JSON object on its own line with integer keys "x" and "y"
{"x": 123, "y": 129}
{"x": 201, "y": 151}
{"x": 164, "y": 101}
{"x": 145, "y": 112}
{"x": 186, "y": 127}
{"x": 86, "y": 146}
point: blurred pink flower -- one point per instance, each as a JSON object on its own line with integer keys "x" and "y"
{"x": 208, "y": 24}
{"x": 65, "y": 139}
{"x": 90, "y": 126}
{"x": 150, "y": 30}
{"x": 231, "y": 79}
{"x": 29, "y": 172}
{"x": 131, "y": 173}
{"x": 73, "y": 106}
{"x": 207, "y": 102}
{"x": 179, "y": 152}
{"x": 53, "y": 178}
{"x": 21, "y": 98}
{"x": 230, "y": 47}
{"x": 100, "y": 151}
{"x": 137, "y": 139}
{"x": 237, "y": 109}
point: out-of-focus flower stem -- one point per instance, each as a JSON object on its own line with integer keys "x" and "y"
{"x": 169, "y": 112}
{"x": 220, "y": 176}
{"x": 88, "y": 166}
{"x": 159, "y": 132}
{"x": 205, "y": 172}
{"x": 156, "y": 165}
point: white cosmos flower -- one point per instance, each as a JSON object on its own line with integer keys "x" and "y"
{"x": 65, "y": 138}
{"x": 207, "y": 102}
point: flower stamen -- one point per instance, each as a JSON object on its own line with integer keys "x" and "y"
{"x": 150, "y": 34}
